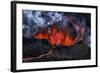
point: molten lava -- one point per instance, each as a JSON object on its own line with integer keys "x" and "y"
{"x": 55, "y": 37}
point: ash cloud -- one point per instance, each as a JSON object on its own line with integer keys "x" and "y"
{"x": 34, "y": 21}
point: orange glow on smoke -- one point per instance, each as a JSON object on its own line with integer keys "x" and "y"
{"x": 68, "y": 41}
{"x": 41, "y": 35}
{"x": 55, "y": 37}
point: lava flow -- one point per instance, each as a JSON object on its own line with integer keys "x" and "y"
{"x": 55, "y": 37}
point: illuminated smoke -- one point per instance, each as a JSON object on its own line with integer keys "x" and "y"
{"x": 34, "y": 21}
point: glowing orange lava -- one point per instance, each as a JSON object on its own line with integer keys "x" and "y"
{"x": 55, "y": 37}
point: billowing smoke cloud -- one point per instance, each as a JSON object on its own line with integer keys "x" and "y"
{"x": 35, "y": 21}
